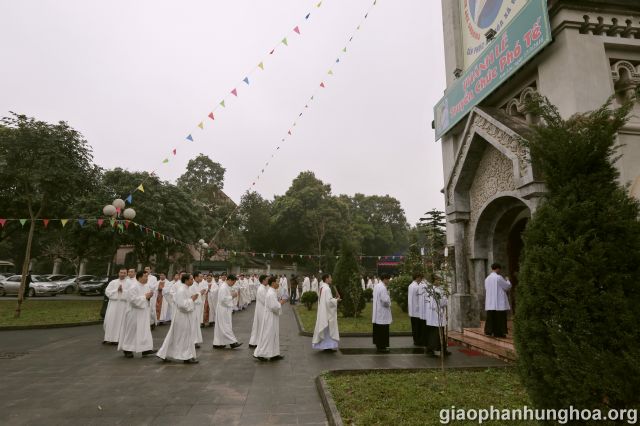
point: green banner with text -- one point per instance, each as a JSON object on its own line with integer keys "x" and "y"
{"x": 523, "y": 38}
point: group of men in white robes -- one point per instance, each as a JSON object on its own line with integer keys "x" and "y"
{"x": 265, "y": 331}
{"x": 427, "y": 305}
{"x": 309, "y": 284}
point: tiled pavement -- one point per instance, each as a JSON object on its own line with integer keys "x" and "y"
{"x": 65, "y": 376}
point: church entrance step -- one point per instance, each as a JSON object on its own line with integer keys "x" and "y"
{"x": 478, "y": 334}
{"x": 487, "y": 348}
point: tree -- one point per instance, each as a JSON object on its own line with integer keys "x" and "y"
{"x": 576, "y": 326}
{"x": 434, "y": 228}
{"x": 59, "y": 169}
{"x": 346, "y": 277}
{"x": 255, "y": 219}
{"x": 204, "y": 177}
{"x": 413, "y": 263}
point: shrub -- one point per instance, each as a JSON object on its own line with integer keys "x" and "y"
{"x": 399, "y": 291}
{"x": 576, "y": 325}
{"x": 308, "y": 299}
{"x": 367, "y": 294}
{"x": 346, "y": 278}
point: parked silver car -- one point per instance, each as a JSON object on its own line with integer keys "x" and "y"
{"x": 66, "y": 283}
{"x": 40, "y": 286}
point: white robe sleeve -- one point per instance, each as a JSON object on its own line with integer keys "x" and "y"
{"x": 112, "y": 290}
{"x": 272, "y": 304}
{"x": 137, "y": 300}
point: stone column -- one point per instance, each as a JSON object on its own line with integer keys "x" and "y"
{"x": 461, "y": 312}
{"x": 57, "y": 264}
{"x": 479, "y": 275}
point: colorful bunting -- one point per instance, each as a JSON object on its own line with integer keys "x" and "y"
{"x": 64, "y": 222}
{"x": 140, "y": 188}
{"x": 297, "y": 30}
{"x": 81, "y": 222}
{"x": 284, "y": 41}
{"x": 201, "y": 125}
{"x": 246, "y": 80}
{"x": 174, "y": 151}
{"x": 45, "y": 222}
{"x": 22, "y": 222}
{"x": 261, "y": 66}
{"x": 222, "y": 103}
{"x": 2, "y": 222}
{"x": 211, "y": 116}
{"x": 165, "y": 161}
{"x": 129, "y": 199}
{"x": 319, "y": 4}
{"x": 190, "y": 138}
{"x": 100, "y": 222}
{"x": 322, "y": 85}
{"x": 307, "y": 17}
{"x": 330, "y": 72}
{"x": 234, "y": 92}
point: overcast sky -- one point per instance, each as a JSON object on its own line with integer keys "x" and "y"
{"x": 136, "y": 77}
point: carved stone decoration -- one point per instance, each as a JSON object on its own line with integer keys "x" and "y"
{"x": 493, "y": 175}
{"x": 508, "y": 141}
{"x": 626, "y": 78}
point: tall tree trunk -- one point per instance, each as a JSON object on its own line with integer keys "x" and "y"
{"x": 25, "y": 268}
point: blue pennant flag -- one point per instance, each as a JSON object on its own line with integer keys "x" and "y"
{"x": 337, "y": 60}
{"x": 130, "y": 199}
{"x": 307, "y": 17}
{"x": 190, "y": 138}
{"x": 246, "y": 80}
{"x": 81, "y": 222}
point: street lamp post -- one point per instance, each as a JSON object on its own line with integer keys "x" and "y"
{"x": 203, "y": 246}
{"x": 116, "y": 210}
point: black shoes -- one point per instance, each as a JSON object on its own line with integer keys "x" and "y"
{"x": 277, "y": 358}
{"x": 197, "y": 345}
{"x": 128, "y": 354}
{"x": 383, "y": 350}
{"x": 218, "y": 346}
{"x": 147, "y": 353}
{"x": 191, "y": 361}
{"x": 235, "y": 345}
{"x": 259, "y": 358}
{"x": 253, "y": 346}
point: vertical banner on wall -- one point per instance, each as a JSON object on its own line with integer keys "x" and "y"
{"x": 526, "y": 34}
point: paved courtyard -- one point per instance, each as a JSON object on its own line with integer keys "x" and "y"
{"x": 67, "y": 377}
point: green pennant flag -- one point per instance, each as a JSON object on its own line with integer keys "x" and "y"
{"x": 23, "y": 221}
{"x": 285, "y": 42}
{"x": 222, "y": 104}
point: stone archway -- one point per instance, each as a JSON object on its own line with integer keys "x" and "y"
{"x": 497, "y": 238}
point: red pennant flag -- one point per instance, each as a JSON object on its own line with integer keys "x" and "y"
{"x": 322, "y": 84}
{"x": 45, "y": 222}
{"x": 211, "y": 116}
{"x": 289, "y": 132}
{"x": 297, "y": 30}
{"x": 271, "y": 53}
{"x": 126, "y": 224}
{"x": 100, "y": 222}
{"x": 234, "y": 92}
{"x": 174, "y": 151}
{"x": 2, "y": 222}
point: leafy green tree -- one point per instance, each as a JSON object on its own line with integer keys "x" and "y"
{"x": 434, "y": 228}
{"x": 346, "y": 277}
{"x": 255, "y": 219}
{"x": 576, "y": 326}
{"x": 203, "y": 178}
{"x": 59, "y": 169}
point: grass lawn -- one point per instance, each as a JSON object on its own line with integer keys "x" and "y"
{"x": 417, "y": 398}
{"x": 42, "y": 312}
{"x": 361, "y": 324}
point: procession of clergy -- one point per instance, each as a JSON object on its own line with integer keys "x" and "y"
{"x": 138, "y": 302}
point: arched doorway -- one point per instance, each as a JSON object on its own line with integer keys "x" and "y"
{"x": 514, "y": 251}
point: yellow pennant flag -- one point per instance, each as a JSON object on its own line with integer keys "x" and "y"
{"x": 64, "y": 222}
{"x": 201, "y": 125}
{"x": 140, "y": 188}
{"x": 261, "y": 65}
{"x": 330, "y": 72}
{"x": 319, "y": 4}
{"x": 165, "y": 161}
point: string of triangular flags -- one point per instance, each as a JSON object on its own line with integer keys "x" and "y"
{"x": 123, "y": 225}
{"x": 233, "y": 94}
{"x": 290, "y": 132}
{"x": 118, "y": 224}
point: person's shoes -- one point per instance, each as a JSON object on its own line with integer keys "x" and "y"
{"x": 259, "y": 358}
{"x": 447, "y": 353}
{"x": 201, "y": 325}
{"x": 218, "y": 346}
{"x": 253, "y": 346}
{"x": 191, "y": 361}
{"x": 167, "y": 360}
{"x": 235, "y": 345}
{"x": 277, "y": 358}
{"x": 113, "y": 343}
{"x": 104, "y": 342}
{"x": 153, "y": 326}
{"x": 197, "y": 345}
{"x": 128, "y": 354}
{"x": 150, "y": 352}
{"x": 383, "y": 351}
{"x": 430, "y": 354}
{"x": 329, "y": 350}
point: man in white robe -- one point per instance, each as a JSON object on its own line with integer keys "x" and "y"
{"x": 212, "y": 286}
{"x": 116, "y": 308}
{"x": 417, "y": 323}
{"x": 258, "y": 313}
{"x": 325, "y": 334}
{"x": 163, "y": 307}
{"x": 370, "y": 283}
{"x": 381, "y": 315}
{"x": 223, "y": 331}
{"x": 244, "y": 293}
{"x": 135, "y": 335}
{"x": 203, "y": 288}
{"x": 236, "y": 299}
{"x": 435, "y": 319}
{"x": 314, "y": 284}
{"x": 152, "y": 282}
{"x": 194, "y": 290}
{"x": 178, "y": 344}
{"x": 496, "y": 303}
{"x": 131, "y": 276}
{"x": 306, "y": 285}
{"x": 283, "y": 291}
{"x": 269, "y": 338}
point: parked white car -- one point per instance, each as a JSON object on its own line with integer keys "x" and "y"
{"x": 40, "y": 286}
